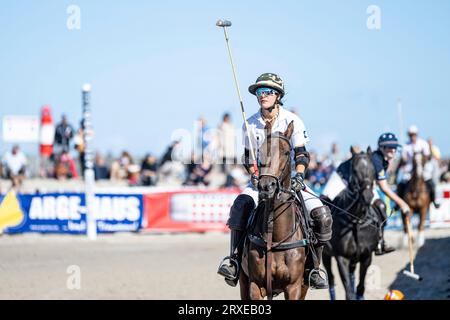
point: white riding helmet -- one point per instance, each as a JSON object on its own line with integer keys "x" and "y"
{"x": 413, "y": 130}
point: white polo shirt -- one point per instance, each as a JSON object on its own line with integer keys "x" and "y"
{"x": 421, "y": 146}
{"x": 256, "y": 125}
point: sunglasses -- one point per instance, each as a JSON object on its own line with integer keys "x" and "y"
{"x": 265, "y": 91}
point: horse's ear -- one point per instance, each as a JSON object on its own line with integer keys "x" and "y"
{"x": 369, "y": 150}
{"x": 289, "y": 130}
{"x": 355, "y": 150}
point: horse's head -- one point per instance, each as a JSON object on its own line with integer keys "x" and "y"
{"x": 419, "y": 161}
{"x": 275, "y": 163}
{"x": 362, "y": 176}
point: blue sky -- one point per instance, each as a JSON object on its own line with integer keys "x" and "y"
{"x": 156, "y": 66}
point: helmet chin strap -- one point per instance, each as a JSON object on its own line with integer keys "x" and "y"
{"x": 276, "y": 104}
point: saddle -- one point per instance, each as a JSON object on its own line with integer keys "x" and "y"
{"x": 304, "y": 223}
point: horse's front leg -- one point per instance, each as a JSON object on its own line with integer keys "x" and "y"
{"x": 294, "y": 291}
{"x": 423, "y": 216}
{"x": 352, "y": 269}
{"x": 364, "y": 265}
{"x": 255, "y": 291}
{"x": 326, "y": 259}
{"x": 343, "y": 266}
{"x": 244, "y": 286}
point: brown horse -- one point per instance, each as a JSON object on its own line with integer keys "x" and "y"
{"x": 416, "y": 194}
{"x": 274, "y": 254}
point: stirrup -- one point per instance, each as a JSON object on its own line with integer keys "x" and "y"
{"x": 318, "y": 271}
{"x": 234, "y": 263}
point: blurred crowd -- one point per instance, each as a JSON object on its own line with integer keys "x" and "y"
{"x": 218, "y": 158}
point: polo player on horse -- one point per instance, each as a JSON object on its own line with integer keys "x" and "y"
{"x": 269, "y": 90}
{"x": 415, "y": 145}
{"x": 387, "y": 146}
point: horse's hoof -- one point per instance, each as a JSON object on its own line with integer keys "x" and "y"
{"x": 358, "y": 297}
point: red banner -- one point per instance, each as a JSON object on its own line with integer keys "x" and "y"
{"x": 188, "y": 210}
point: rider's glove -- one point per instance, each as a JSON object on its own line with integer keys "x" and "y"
{"x": 298, "y": 182}
{"x": 254, "y": 180}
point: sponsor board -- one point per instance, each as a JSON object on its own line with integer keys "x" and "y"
{"x": 66, "y": 213}
{"x": 189, "y": 210}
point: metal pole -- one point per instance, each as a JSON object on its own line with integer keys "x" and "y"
{"x": 224, "y": 25}
{"x": 400, "y": 120}
{"x": 89, "y": 179}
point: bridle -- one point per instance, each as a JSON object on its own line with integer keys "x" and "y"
{"x": 355, "y": 186}
{"x": 279, "y": 188}
{"x": 268, "y": 243}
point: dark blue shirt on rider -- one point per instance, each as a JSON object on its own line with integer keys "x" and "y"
{"x": 381, "y": 165}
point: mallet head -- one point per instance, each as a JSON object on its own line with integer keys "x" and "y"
{"x": 223, "y": 23}
{"x": 412, "y": 275}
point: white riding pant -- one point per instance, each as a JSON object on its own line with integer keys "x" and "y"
{"x": 311, "y": 202}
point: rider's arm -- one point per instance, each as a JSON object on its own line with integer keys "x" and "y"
{"x": 392, "y": 195}
{"x": 301, "y": 158}
{"x": 247, "y": 162}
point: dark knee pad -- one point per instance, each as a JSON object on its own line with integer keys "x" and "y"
{"x": 240, "y": 212}
{"x": 322, "y": 224}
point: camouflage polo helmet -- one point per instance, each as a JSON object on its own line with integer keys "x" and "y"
{"x": 268, "y": 80}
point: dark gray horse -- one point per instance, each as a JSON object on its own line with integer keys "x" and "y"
{"x": 355, "y": 232}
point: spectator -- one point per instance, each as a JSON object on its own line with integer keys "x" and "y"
{"x": 119, "y": 167}
{"x": 226, "y": 138}
{"x": 63, "y": 134}
{"x": 205, "y": 140}
{"x": 14, "y": 163}
{"x": 335, "y": 156}
{"x": 445, "y": 178}
{"x": 199, "y": 175}
{"x": 432, "y": 166}
{"x": 78, "y": 141}
{"x": 133, "y": 175}
{"x": 100, "y": 168}
{"x": 116, "y": 172}
{"x": 435, "y": 151}
{"x": 167, "y": 157}
{"x": 236, "y": 177}
{"x": 65, "y": 167}
{"x": 149, "y": 168}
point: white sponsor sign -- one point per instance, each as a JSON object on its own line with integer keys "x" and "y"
{"x": 440, "y": 218}
{"x": 20, "y": 128}
{"x": 208, "y": 207}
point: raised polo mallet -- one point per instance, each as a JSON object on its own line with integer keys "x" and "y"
{"x": 224, "y": 24}
{"x": 410, "y": 273}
